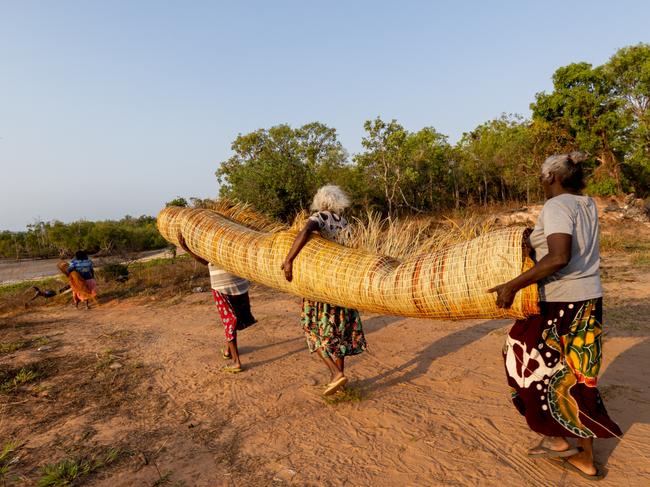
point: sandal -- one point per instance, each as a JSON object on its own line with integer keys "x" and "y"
{"x": 332, "y": 387}
{"x": 224, "y": 355}
{"x": 570, "y": 467}
{"x": 548, "y": 453}
{"x": 232, "y": 369}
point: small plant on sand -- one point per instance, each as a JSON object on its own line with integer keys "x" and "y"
{"x": 7, "y": 459}
{"x": 9, "y": 347}
{"x": 12, "y": 380}
{"x": 69, "y": 471}
{"x": 349, "y": 394}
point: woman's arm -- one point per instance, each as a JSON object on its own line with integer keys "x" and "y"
{"x": 559, "y": 255}
{"x": 183, "y": 244}
{"x": 298, "y": 243}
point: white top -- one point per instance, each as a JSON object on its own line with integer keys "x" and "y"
{"x": 577, "y": 216}
{"x": 227, "y": 283}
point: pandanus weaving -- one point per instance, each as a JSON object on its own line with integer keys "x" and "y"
{"x": 449, "y": 283}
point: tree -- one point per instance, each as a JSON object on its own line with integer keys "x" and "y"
{"x": 401, "y": 170}
{"x": 382, "y": 161}
{"x": 629, "y": 71}
{"x": 178, "y": 201}
{"x": 278, "y": 170}
{"x": 497, "y": 160}
{"x": 582, "y": 105}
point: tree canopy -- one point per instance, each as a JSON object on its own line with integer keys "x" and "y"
{"x": 603, "y": 110}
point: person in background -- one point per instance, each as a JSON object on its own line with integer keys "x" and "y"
{"x": 230, "y": 295}
{"x": 552, "y": 359}
{"x": 84, "y": 266}
{"x": 333, "y": 331}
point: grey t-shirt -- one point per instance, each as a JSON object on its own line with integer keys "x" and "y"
{"x": 576, "y": 216}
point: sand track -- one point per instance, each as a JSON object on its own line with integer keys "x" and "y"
{"x": 434, "y": 411}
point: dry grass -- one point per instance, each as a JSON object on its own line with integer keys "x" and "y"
{"x": 404, "y": 238}
{"x": 624, "y": 238}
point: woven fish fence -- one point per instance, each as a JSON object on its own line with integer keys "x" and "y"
{"x": 450, "y": 283}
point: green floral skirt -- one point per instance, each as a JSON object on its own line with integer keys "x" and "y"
{"x": 335, "y": 330}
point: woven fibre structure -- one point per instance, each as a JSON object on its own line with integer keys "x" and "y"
{"x": 450, "y": 283}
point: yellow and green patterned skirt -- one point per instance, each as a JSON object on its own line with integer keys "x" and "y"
{"x": 552, "y": 362}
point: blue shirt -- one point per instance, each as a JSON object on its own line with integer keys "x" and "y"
{"x": 83, "y": 267}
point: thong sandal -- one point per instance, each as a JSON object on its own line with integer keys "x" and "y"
{"x": 232, "y": 369}
{"x": 224, "y": 355}
{"x": 548, "y": 453}
{"x": 568, "y": 466}
{"x": 332, "y": 387}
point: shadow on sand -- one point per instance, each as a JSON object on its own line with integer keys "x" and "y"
{"x": 438, "y": 349}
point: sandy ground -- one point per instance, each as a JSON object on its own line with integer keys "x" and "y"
{"x": 144, "y": 376}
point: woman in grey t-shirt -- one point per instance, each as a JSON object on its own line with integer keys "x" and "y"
{"x": 552, "y": 359}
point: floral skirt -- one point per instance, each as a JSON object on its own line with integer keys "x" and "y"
{"x": 335, "y": 330}
{"x": 552, "y": 362}
{"x": 235, "y": 313}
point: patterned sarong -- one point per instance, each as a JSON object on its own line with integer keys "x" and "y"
{"x": 552, "y": 362}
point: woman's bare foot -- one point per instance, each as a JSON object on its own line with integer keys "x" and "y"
{"x": 584, "y": 462}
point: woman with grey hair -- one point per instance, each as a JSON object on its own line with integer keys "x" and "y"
{"x": 552, "y": 359}
{"x": 333, "y": 331}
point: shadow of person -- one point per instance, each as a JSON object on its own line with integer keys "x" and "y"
{"x": 625, "y": 387}
{"x": 438, "y": 349}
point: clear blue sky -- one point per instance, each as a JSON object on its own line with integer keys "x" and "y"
{"x": 113, "y": 108}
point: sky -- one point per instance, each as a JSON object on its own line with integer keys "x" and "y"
{"x": 114, "y": 108}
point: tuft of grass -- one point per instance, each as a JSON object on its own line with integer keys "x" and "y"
{"x": 347, "y": 395}
{"x": 9, "y": 347}
{"x": 7, "y": 459}
{"x": 64, "y": 472}
{"x": 71, "y": 470}
{"x": 105, "y": 359}
{"x": 12, "y": 380}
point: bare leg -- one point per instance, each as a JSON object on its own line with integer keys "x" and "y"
{"x": 234, "y": 352}
{"x": 340, "y": 363}
{"x": 335, "y": 372}
{"x": 585, "y": 459}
